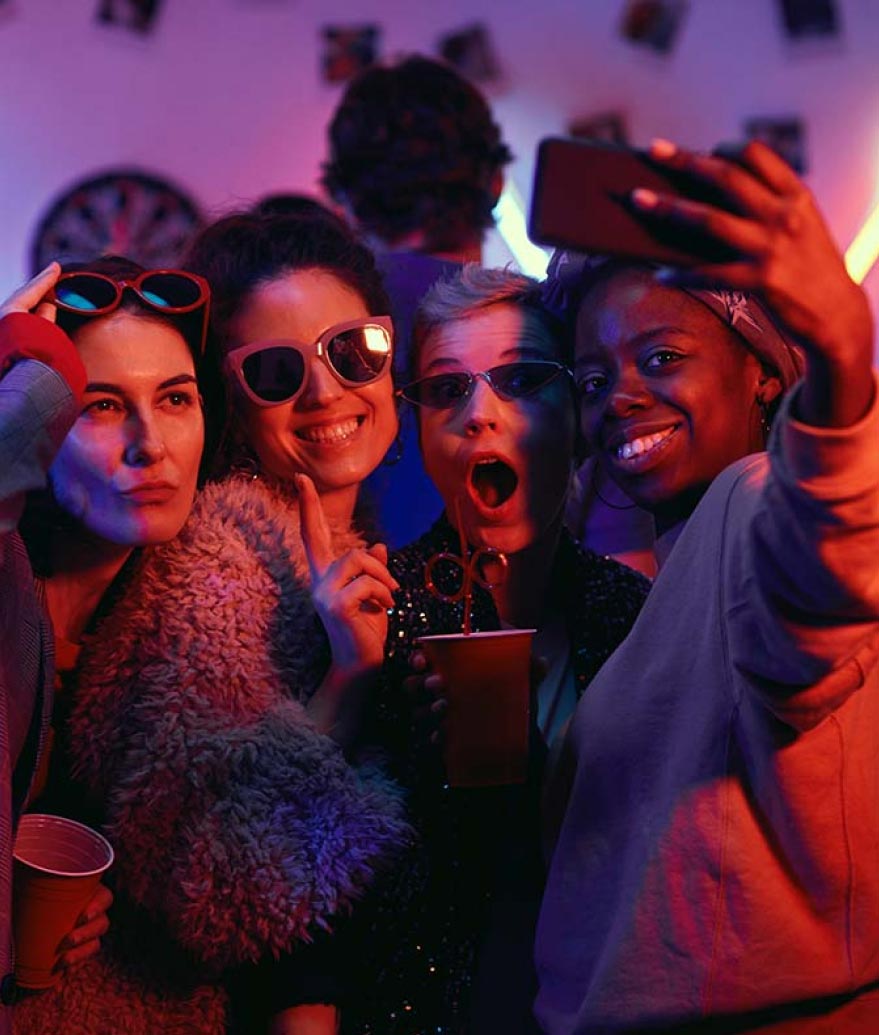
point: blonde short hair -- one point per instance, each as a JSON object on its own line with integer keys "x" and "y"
{"x": 475, "y": 288}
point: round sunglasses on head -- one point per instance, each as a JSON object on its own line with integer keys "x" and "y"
{"x": 508, "y": 381}
{"x": 173, "y": 292}
{"x": 356, "y": 353}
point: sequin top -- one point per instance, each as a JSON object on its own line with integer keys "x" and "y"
{"x": 479, "y": 847}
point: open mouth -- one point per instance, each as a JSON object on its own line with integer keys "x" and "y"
{"x": 493, "y": 482}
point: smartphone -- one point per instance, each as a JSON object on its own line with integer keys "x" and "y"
{"x": 581, "y": 200}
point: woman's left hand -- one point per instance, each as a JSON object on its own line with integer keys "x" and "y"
{"x": 84, "y": 940}
{"x": 29, "y": 297}
{"x": 786, "y": 256}
{"x": 352, "y": 595}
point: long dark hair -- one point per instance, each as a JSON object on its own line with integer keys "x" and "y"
{"x": 242, "y": 251}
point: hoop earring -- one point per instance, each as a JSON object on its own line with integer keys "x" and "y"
{"x": 604, "y": 500}
{"x": 393, "y": 458}
{"x": 244, "y": 462}
{"x": 765, "y": 418}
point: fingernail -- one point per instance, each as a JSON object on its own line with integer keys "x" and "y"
{"x": 662, "y": 148}
{"x": 644, "y": 198}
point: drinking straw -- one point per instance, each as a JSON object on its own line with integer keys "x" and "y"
{"x": 467, "y": 570}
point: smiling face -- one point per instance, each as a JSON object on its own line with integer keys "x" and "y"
{"x": 507, "y": 464}
{"x": 334, "y": 434}
{"x": 668, "y": 394}
{"x": 127, "y": 470}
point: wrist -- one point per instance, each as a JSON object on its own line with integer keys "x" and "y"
{"x": 335, "y": 707}
{"x": 26, "y": 336}
{"x": 836, "y": 393}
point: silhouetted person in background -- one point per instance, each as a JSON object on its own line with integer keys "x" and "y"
{"x": 416, "y": 159}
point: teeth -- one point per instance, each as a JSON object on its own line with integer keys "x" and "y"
{"x": 324, "y": 433}
{"x": 642, "y": 445}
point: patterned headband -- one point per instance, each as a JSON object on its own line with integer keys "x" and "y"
{"x": 570, "y": 274}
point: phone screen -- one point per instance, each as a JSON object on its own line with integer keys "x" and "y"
{"x": 581, "y": 201}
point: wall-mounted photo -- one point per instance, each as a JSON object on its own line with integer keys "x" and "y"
{"x": 608, "y": 127}
{"x": 653, "y": 23}
{"x": 348, "y": 50}
{"x": 471, "y": 51}
{"x": 135, "y": 15}
{"x": 786, "y": 136}
{"x": 807, "y": 19}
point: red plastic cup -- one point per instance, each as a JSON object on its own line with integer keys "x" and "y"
{"x": 487, "y": 677}
{"x": 57, "y": 867}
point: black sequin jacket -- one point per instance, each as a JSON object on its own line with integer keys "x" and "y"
{"x": 425, "y": 936}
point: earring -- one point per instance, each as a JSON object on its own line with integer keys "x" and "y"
{"x": 393, "y": 458}
{"x": 765, "y": 418}
{"x": 243, "y": 461}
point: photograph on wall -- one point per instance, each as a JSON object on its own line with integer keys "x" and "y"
{"x": 608, "y": 127}
{"x": 809, "y": 19}
{"x": 471, "y": 51}
{"x": 653, "y": 23}
{"x": 134, "y": 15}
{"x": 348, "y": 50}
{"x": 786, "y": 136}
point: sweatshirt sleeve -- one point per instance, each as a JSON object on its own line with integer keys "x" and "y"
{"x": 803, "y": 567}
{"x": 37, "y": 409}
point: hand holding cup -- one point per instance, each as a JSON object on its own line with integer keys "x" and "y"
{"x": 84, "y": 941}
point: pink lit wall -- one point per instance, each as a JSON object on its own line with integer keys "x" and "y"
{"x": 225, "y": 97}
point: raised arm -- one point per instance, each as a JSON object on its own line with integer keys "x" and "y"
{"x": 801, "y": 566}
{"x": 41, "y": 380}
{"x": 788, "y": 258}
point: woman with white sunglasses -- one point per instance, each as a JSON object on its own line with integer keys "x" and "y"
{"x": 216, "y": 722}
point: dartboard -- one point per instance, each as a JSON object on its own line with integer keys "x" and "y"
{"x": 121, "y": 212}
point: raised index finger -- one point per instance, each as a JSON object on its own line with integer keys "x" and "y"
{"x": 313, "y": 527}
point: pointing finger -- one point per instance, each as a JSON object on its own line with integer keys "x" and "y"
{"x": 313, "y": 527}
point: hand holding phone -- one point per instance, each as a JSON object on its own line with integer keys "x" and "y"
{"x": 582, "y": 200}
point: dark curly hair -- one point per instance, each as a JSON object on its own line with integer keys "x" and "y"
{"x": 243, "y": 250}
{"x": 415, "y": 147}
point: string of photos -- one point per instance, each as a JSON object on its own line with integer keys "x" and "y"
{"x": 137, "y": 212}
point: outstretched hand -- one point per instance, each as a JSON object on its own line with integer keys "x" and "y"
{"x": 787, "y": 257}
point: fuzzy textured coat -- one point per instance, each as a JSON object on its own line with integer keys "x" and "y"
{"x": 239, "y": 829}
